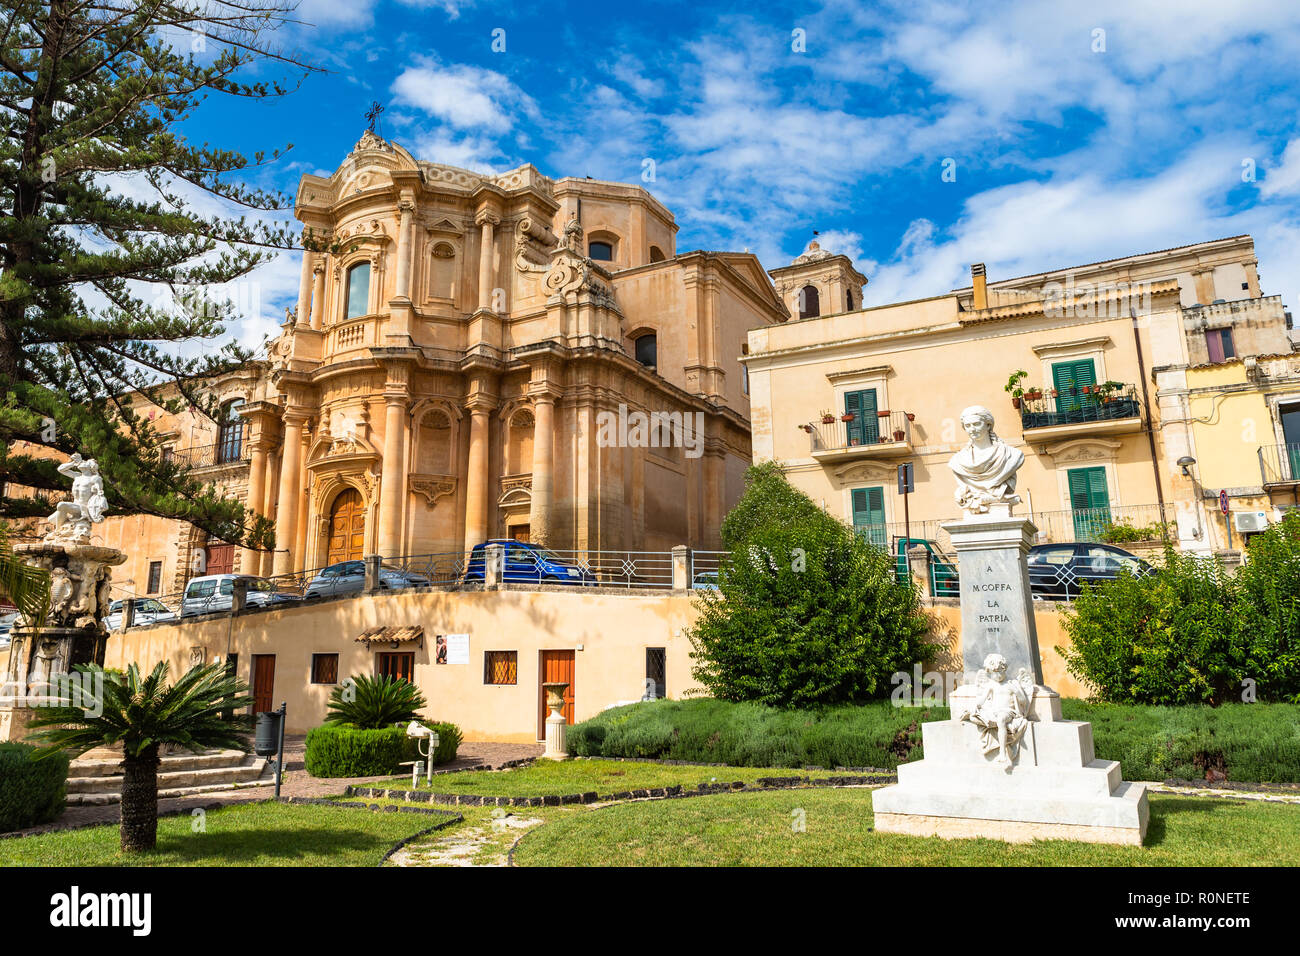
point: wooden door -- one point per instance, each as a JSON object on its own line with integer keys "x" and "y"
{"x": 519, "y": 532}
{"x": 219, "y": 558}
{"x": 347, "y": 527}
{"x": 556, "y": 666}
{"x": 263, "y": 682}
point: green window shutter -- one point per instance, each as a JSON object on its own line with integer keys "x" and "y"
{"x": 1067, "y": 376}
{"x": 869, "y": 514}
{"x": 1090, "y": 502}
{"x": 862, "y": 404}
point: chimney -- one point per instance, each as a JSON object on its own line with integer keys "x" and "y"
{"x": 978, "y": 282}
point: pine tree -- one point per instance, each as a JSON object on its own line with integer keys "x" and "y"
{"x": 107, "y": 271}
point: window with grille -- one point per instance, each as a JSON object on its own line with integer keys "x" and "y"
{"x": 396, "y": 665}
{"x": 324, "y": 668}
{"x": 656, "y": 672}
{"x": 155, "y": 577}
{"x": 500, "y": 667}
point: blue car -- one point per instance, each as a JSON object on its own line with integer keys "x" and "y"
{"x": 529, "y": 563}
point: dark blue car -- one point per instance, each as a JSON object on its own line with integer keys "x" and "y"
{"x": 529, "y": 563}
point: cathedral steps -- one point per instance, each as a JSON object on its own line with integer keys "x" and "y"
{"x": 96, "y": 778}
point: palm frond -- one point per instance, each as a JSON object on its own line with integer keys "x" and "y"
{"x": 26, "y": 586}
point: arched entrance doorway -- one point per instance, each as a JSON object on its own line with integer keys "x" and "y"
{"x": 347, "y": 527}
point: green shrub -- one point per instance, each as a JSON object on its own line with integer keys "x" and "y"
{"x": 336, "y": 750}
{"x": 1193, "y": 634}
{"x": 449, "y": 741}
{"x": 807, "y": 613}
{"x": 746, "y": 734}
{"x": 374, "y": 702}
{"x": 1247, "y": 742}
{"x": 32, "y": 790}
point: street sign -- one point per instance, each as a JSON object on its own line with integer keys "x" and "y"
{"x": 1223, "y": 501}
{"x": 906, "y": 483}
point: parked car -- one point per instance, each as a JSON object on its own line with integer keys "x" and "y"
{"x": 349, "y": 577}
{"x": 706, "y": 581}
{"x": 7, "y": 618}
{"x": 1062, "y": 570}
{"x": 147, "y": 611}
{"x": 529, "y": 563}
{"x": 215, "y": 592}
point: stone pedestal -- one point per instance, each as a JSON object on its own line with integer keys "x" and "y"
{"x": 556, "y": 726}
{"x": 997, "y": 608}
{"x": 72, "y": 634}
{"x": 1055, "y": 787}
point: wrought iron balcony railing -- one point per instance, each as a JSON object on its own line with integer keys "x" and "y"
{"x": 1279, "y": 464}
{"x": 1079, "y": 406}
{"x": 863, "y": 431}
{"x": 226, "y": 452}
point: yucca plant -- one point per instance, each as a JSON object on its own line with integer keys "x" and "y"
{"x": 372, "y": 703}
{"x": 142, "y": 713}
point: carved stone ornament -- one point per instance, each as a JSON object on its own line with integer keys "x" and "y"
{"x": 432, "y": 487}
{"x": 986, "y": 468}
{"x": 1000, "y": 709}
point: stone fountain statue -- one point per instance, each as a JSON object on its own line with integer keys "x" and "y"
{"x": 80, "y": 573}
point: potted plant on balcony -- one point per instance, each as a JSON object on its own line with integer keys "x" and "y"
{"x": 882, "y": 413}
{"x": 848, "y": 417}
{"x": 1108, "y": 391}
{"x": 911, "y": 416}
{"x": 827, "y": 417}
{"x": 1014, "y": 387}
{"x": 899, "y": 434}
{"x": 805, "y": 428}
{"x": 1033, "y": 393}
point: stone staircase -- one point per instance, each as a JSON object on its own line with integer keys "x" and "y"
{"x": 95, "y": 778}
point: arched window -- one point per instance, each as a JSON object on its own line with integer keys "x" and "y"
{"x": 848, "y": 299}
{"x": 601, "y": 251}
{"x": 230, "y": 432}
{"x": 647, "y": 352}
{"x": 656, "y": 254}
{"x": 810, "y": 305}
{"x": 358, "y": 290}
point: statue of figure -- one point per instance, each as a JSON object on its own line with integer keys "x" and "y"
{"x": 986, "y": 468}
{"x": 73, "y": 519}
{"x": 1001, "y": 709}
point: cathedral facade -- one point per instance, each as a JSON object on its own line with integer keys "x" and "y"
{"x": 460, "y": 345}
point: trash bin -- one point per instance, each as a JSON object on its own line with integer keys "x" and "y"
{"x": 266, "y": 740}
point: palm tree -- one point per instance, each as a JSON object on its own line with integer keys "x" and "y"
{"x": 26, "y": 586}
{"x": 142, "y": 714}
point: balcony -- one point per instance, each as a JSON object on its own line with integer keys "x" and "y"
{"x": 1279, "y": 465}
{"x": 233, "y": 451}
{"x": 876, "y": 436}
{"x": 1082, "y": 413}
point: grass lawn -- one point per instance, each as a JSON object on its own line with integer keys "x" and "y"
{"x": 250, "y": 834}
{"x": 755, "y": 829}
{"x": 558, "y": 778}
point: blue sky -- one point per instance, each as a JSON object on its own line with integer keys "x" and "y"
{"x": 1068, "y": 144}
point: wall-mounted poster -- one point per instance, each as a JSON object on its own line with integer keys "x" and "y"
{"x": 451, "y": 649}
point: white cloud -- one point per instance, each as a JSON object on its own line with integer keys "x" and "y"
{"x": 462, "y": 96}
{"x": 1283, "y": 179}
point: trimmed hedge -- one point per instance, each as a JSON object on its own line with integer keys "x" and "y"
{"x": 1247, "y": 742}
{"x": 32, "y": 791}
{"x": 752, "y": 735}
{"x": 339, "y": 750}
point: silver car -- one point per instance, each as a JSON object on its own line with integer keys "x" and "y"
{"x": 349, "y": 578}
{"x": 147, "y": 611}
{"x": 215, "y": 592}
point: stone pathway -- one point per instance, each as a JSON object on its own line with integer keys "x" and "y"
{"x": 1226, "y": 793}
{"x": 483, "y": 845}
{"x": 296, "y": 783}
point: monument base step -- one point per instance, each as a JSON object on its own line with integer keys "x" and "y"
{"x": 1009, "y": 831}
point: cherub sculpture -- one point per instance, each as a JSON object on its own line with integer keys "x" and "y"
{"x": 73, "y": 519}
{"x": 986, "y": 468}
{"x": 1001, "y": 708}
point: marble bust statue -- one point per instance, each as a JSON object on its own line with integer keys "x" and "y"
{"x": 986, "y": 468}
{"x": 73, "y": 519}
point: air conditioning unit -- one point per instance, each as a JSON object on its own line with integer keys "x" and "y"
{"x": 1248, "y": 522}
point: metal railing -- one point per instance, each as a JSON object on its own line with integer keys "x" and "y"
{"x": 1279, "y": 464}
{"x": 864, "y": 430}
{"x": 206, "y": 456}
{"x": 1115, "y": 524}
{"x": 438, "y": 569}
{"x": 644, "y": 569}
{"x": 1080, "y": 405}
{"x": 704, "y": 567}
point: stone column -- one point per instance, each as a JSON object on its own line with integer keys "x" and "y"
{"x": 997, "y": 607}
{"x": 318, "y": 295}
{"x": 404, "y": 249}
{"x": 286, "y": 524}
{"x": 254, "y": 501}
{"x": 394, "y": 464}
{"x": 487, "y": 221}
{"x": 270, "y": 485}
{"x": 681, "y": 568}
{"x": 477, "y": 478}
{"x": 304, "y": 288}
{"x": 539, "y": 517}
